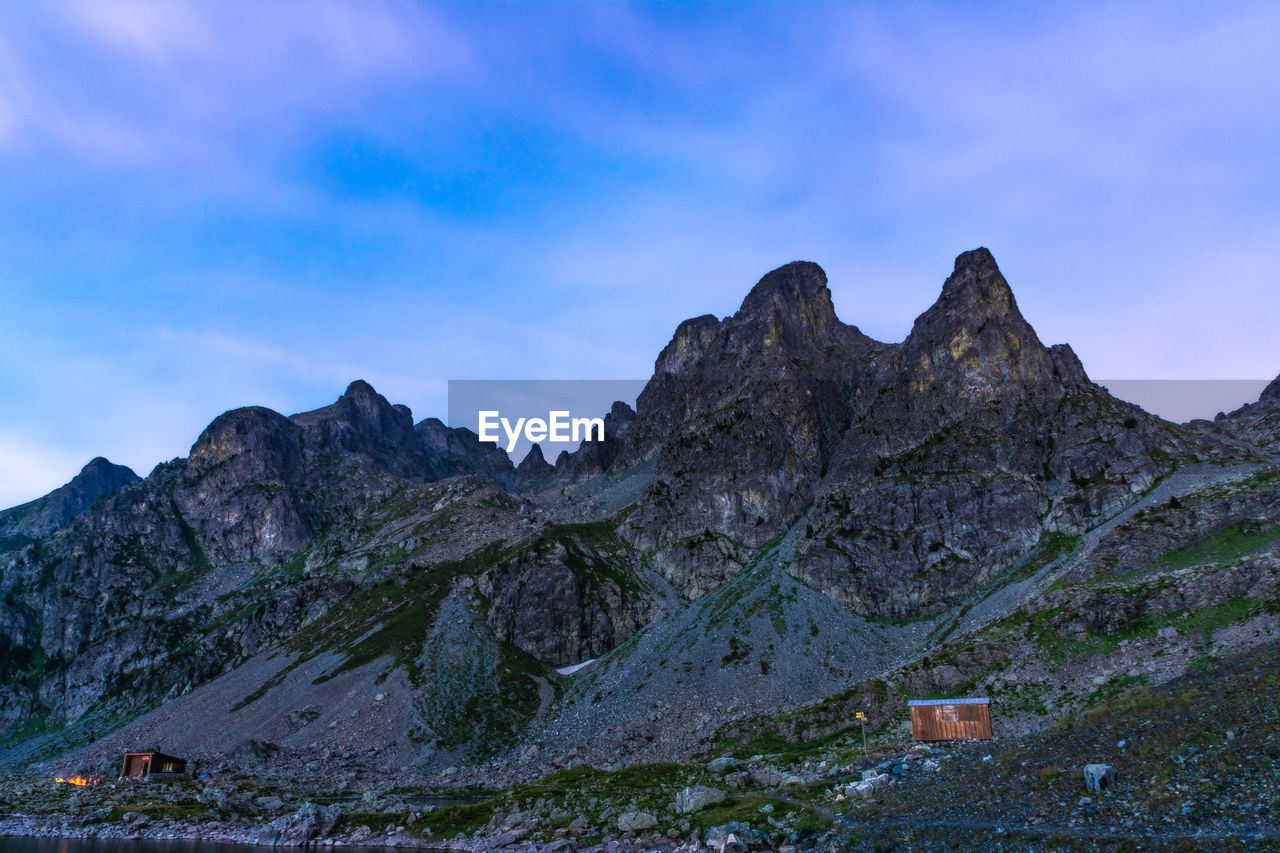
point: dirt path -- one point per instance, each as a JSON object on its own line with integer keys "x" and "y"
{"x": 546, "y": 695}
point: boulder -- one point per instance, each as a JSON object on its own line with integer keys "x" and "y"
{"x": 307, "y": 824}
{"x": 736, "y": 837}
{"x": 636, "y": 821}
{"x": 697, "y": 798}
{"x": 1099, "y": 776}
{"x": 766, "y": 777}
{"x": 869, "y": 785}
{"x": 722, "y": 765}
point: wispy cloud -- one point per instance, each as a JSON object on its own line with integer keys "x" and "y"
{"x": 147, "y": 83}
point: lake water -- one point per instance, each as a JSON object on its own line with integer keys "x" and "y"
{"x": 14, "y": 844}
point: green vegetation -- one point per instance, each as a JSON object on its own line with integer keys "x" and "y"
{"x": 589, "y": 550}
{"x": 1052, "y": 547}
{"x": 449, "y": 821}
{"x": 371, "y": 626}
{"x": 768, "y": 741}
{"x": 1222, "y": 547}
{"x": 744, "y": 808}
{"x": 628, "y": 781}
{"x": 186, "y": 810}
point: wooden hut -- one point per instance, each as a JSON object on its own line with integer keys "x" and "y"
{"x": 950, "y": 719}
{"x": 152, "y": 765}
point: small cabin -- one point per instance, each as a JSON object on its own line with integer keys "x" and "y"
{"x": 950, "y": 719}
{"x": 152, "y": 766}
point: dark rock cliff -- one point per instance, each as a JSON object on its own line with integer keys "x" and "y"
{"x": 914, "y": 470}
{"x": 40, "y": 517}
{"x": 742, "y": 416}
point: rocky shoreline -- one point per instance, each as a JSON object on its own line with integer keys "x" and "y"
{"x": 75, "y": 827}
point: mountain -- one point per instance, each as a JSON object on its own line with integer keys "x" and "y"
{"x": 742, "y": 417}
{"x": 40, "y": 517}
{"x": 795, "y": 522}
{"x": 913, "y": 471}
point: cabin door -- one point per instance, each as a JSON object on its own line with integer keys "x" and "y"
{"x": 138, "y": 765}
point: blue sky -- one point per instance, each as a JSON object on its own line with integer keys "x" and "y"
{"x": 208, "y": 205}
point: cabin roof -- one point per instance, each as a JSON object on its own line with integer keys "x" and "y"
{"x": 976, "y": 700}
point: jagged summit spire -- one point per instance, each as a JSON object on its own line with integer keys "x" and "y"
{"x": 977, "y": 283}
{"x": 360, "y": 388}
{"x": 790, "y": 286}
{"x": 974, "y": 298}
{"x": 534, "y": 463}
{"x": 793, "y": 298}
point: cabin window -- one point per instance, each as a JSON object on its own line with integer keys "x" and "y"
{"x": 948, "y": 714}
{"x": 167, "y": 767}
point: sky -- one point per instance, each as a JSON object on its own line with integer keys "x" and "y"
{"x": 211, "y": 205}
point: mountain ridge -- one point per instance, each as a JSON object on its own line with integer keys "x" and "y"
{"x": 788, "y": 496}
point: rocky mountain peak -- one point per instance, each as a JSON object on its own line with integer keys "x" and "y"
{"x": 457, "y": 450}
{"x": 791, "y": 307}
{"x": 252, "y": 431}
{"x": 595, "y": 457}
{"x": 691, "y": 340}
{"x": 974, "y": 339}
{"x": 363, "y": 422}
{"x": 976, "y": 292}
{"x": 534, "y": 471}
{"x": 99, "y": 478}
{"x": 795, "y": 293}
{"x": 1257, "y": 422}
{"x": 362, "y": 396}
{"x": 103, "y": 477}
{"x": 360, "y": 402}
{"x": 534, "y": 464}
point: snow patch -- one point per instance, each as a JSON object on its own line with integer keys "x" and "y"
{"x": 570, "y": 670}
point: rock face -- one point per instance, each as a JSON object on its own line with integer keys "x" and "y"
{"x": 742, "y": 416}
{"x": 568, "y": 597}
{"x": 459, "y": 451}
{"x": 932, "y": 493}
{"x": 98, "y": 479}
{"x": 895, "y": 462}
{"x": 243, "y": 488}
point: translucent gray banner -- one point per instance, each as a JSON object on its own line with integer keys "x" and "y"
{"x": 1182, "y": 400}
{"x": 557, "y": 414}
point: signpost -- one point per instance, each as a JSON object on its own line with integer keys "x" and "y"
{"x": 862, "y": 721}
